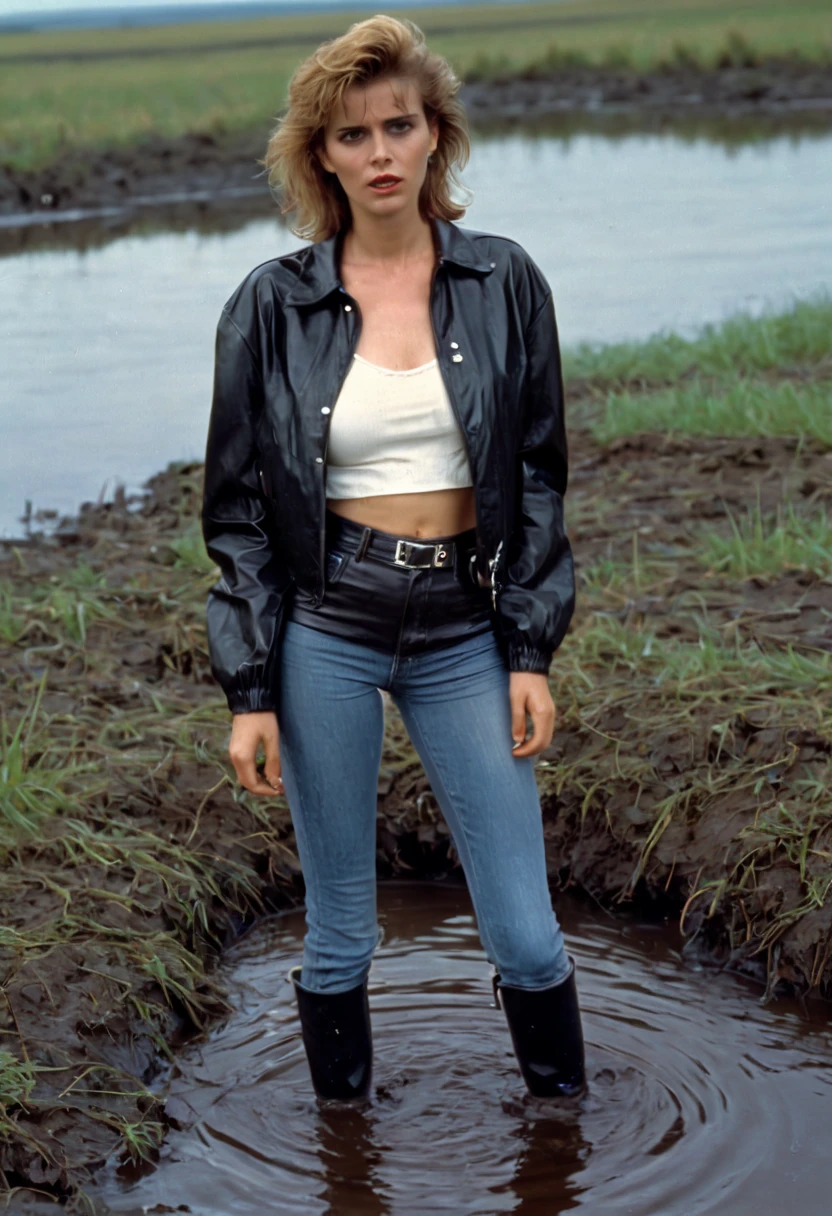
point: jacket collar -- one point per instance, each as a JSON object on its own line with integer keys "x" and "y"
{"x": 320, "y": 274}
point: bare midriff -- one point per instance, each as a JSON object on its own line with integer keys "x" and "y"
{"x": 416, "y": 516}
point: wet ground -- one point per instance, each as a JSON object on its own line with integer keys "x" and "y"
{"x": 774, "y": 92}
{"x": 700, "y": 1101}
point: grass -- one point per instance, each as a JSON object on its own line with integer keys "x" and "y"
{"x": 755, "y": 376}
{"x": 766, "y": 546}
{"x": 189, "y": 552}
{"x": 792, "y": 341}
{"x": 732, "y": 50}
{"x": 744, "y": 408}
{"x": 223, "y": 77}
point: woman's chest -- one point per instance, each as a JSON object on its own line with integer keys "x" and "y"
{"x": 396, "y": 329}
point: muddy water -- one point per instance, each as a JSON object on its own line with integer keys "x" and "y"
{"x": 701, "y": 1100}
{"x": 107, "y": 351}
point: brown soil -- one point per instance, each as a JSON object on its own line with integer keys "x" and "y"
{"x": 76, "y": 1002}
{"x": 774, "y": 94}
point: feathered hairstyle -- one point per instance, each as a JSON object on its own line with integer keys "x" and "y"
{"x": 381, "y": 46}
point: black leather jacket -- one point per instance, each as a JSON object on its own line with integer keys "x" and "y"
{"x": 284, "y": 344}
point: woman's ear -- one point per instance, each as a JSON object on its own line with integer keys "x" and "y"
{"x": 434, "y": 133}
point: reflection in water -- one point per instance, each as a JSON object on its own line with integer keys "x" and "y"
{"x": 108, "y": 354}
{"x": 700, "y": 1100}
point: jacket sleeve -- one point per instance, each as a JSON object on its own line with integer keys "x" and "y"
{"x": 245, "y": 607}
{"x": 538, "y": 592}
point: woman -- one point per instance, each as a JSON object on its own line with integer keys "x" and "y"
{"x": 384, "y": 480}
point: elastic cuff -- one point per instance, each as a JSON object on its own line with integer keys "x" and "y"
{"x": 237, "y": 708}
{"x": 252, "y": 689}
{"x": 522, "y": 657}
{"x": 251, "y": 701}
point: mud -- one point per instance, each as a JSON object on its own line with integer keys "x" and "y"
{"x": 137, "y": 700}
{"x": 773, "y": 94}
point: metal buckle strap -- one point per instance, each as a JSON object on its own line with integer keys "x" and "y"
{"x": 441, "y": 554}
{"x": 492, "y": 566}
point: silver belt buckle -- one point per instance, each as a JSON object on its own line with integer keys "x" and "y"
{"x": 404, "y": 552}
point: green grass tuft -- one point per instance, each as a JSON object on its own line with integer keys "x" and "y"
{"x": 765, "y": 546}
{"x": 745, "y": 408}
{"x": 777, "y": 341}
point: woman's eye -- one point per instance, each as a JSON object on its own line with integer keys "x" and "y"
{"x": 403, "y": 125}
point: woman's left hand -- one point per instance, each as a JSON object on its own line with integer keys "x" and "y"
{"x": 529, "y": 693}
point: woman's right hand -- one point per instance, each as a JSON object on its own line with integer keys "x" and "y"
{"x": 247, "y": 730}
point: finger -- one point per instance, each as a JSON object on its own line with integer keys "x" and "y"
{"x": 543, "y": 725}
{"x": 248, "y": 776}
{"x": 271, "y": 767}
{"x": 264, "y": 790}
{"x": 518, "y": 718}
{"x": 263, "y": 787}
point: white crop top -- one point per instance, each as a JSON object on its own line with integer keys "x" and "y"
{"x": 393, "y": 432}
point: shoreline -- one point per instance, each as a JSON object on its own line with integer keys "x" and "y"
{"x": 778, "y": 94}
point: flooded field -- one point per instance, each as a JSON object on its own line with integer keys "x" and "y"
{"x": 108, "y": 347}
{"x": 700, "y": 1100}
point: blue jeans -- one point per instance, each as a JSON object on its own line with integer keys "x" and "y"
{"x": 454, "y": 702}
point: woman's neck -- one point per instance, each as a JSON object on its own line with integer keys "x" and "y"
{"x": 392, "y": 244}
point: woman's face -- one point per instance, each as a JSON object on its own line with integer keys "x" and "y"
{"x": 370, "y": 136}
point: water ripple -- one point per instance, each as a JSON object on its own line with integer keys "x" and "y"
{"x": 699, "y": 1100}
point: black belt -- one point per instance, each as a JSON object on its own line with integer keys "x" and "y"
{"x": 402, "y": 551}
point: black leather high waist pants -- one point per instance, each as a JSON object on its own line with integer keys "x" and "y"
{"x": 401, "y": 611}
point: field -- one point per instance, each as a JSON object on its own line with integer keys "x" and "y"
{"x": 688, "y": 776}
{"x": 78, "y": 92}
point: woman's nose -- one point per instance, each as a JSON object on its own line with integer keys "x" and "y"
{"x": 380, "y": 151}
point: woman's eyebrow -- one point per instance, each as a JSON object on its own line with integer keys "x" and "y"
{"x": 355, "y": 126}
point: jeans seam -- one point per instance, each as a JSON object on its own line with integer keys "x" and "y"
{"x": 395, "y": 663}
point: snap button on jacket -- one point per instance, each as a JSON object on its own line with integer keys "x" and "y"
{"x": 284, "y": 344}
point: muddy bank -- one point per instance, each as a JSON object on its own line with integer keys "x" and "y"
{"x": 768, "y": 87}
{"x": 772, "y": 94}
{"x": 193, "y": 165}
{"x": 123, "y": 881}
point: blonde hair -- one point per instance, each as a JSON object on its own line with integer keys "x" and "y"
{"x": 380, "y": 46}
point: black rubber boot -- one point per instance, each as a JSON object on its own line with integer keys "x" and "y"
{"x": 337, "y": 1039}
{"x": 545, "y": 1026}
